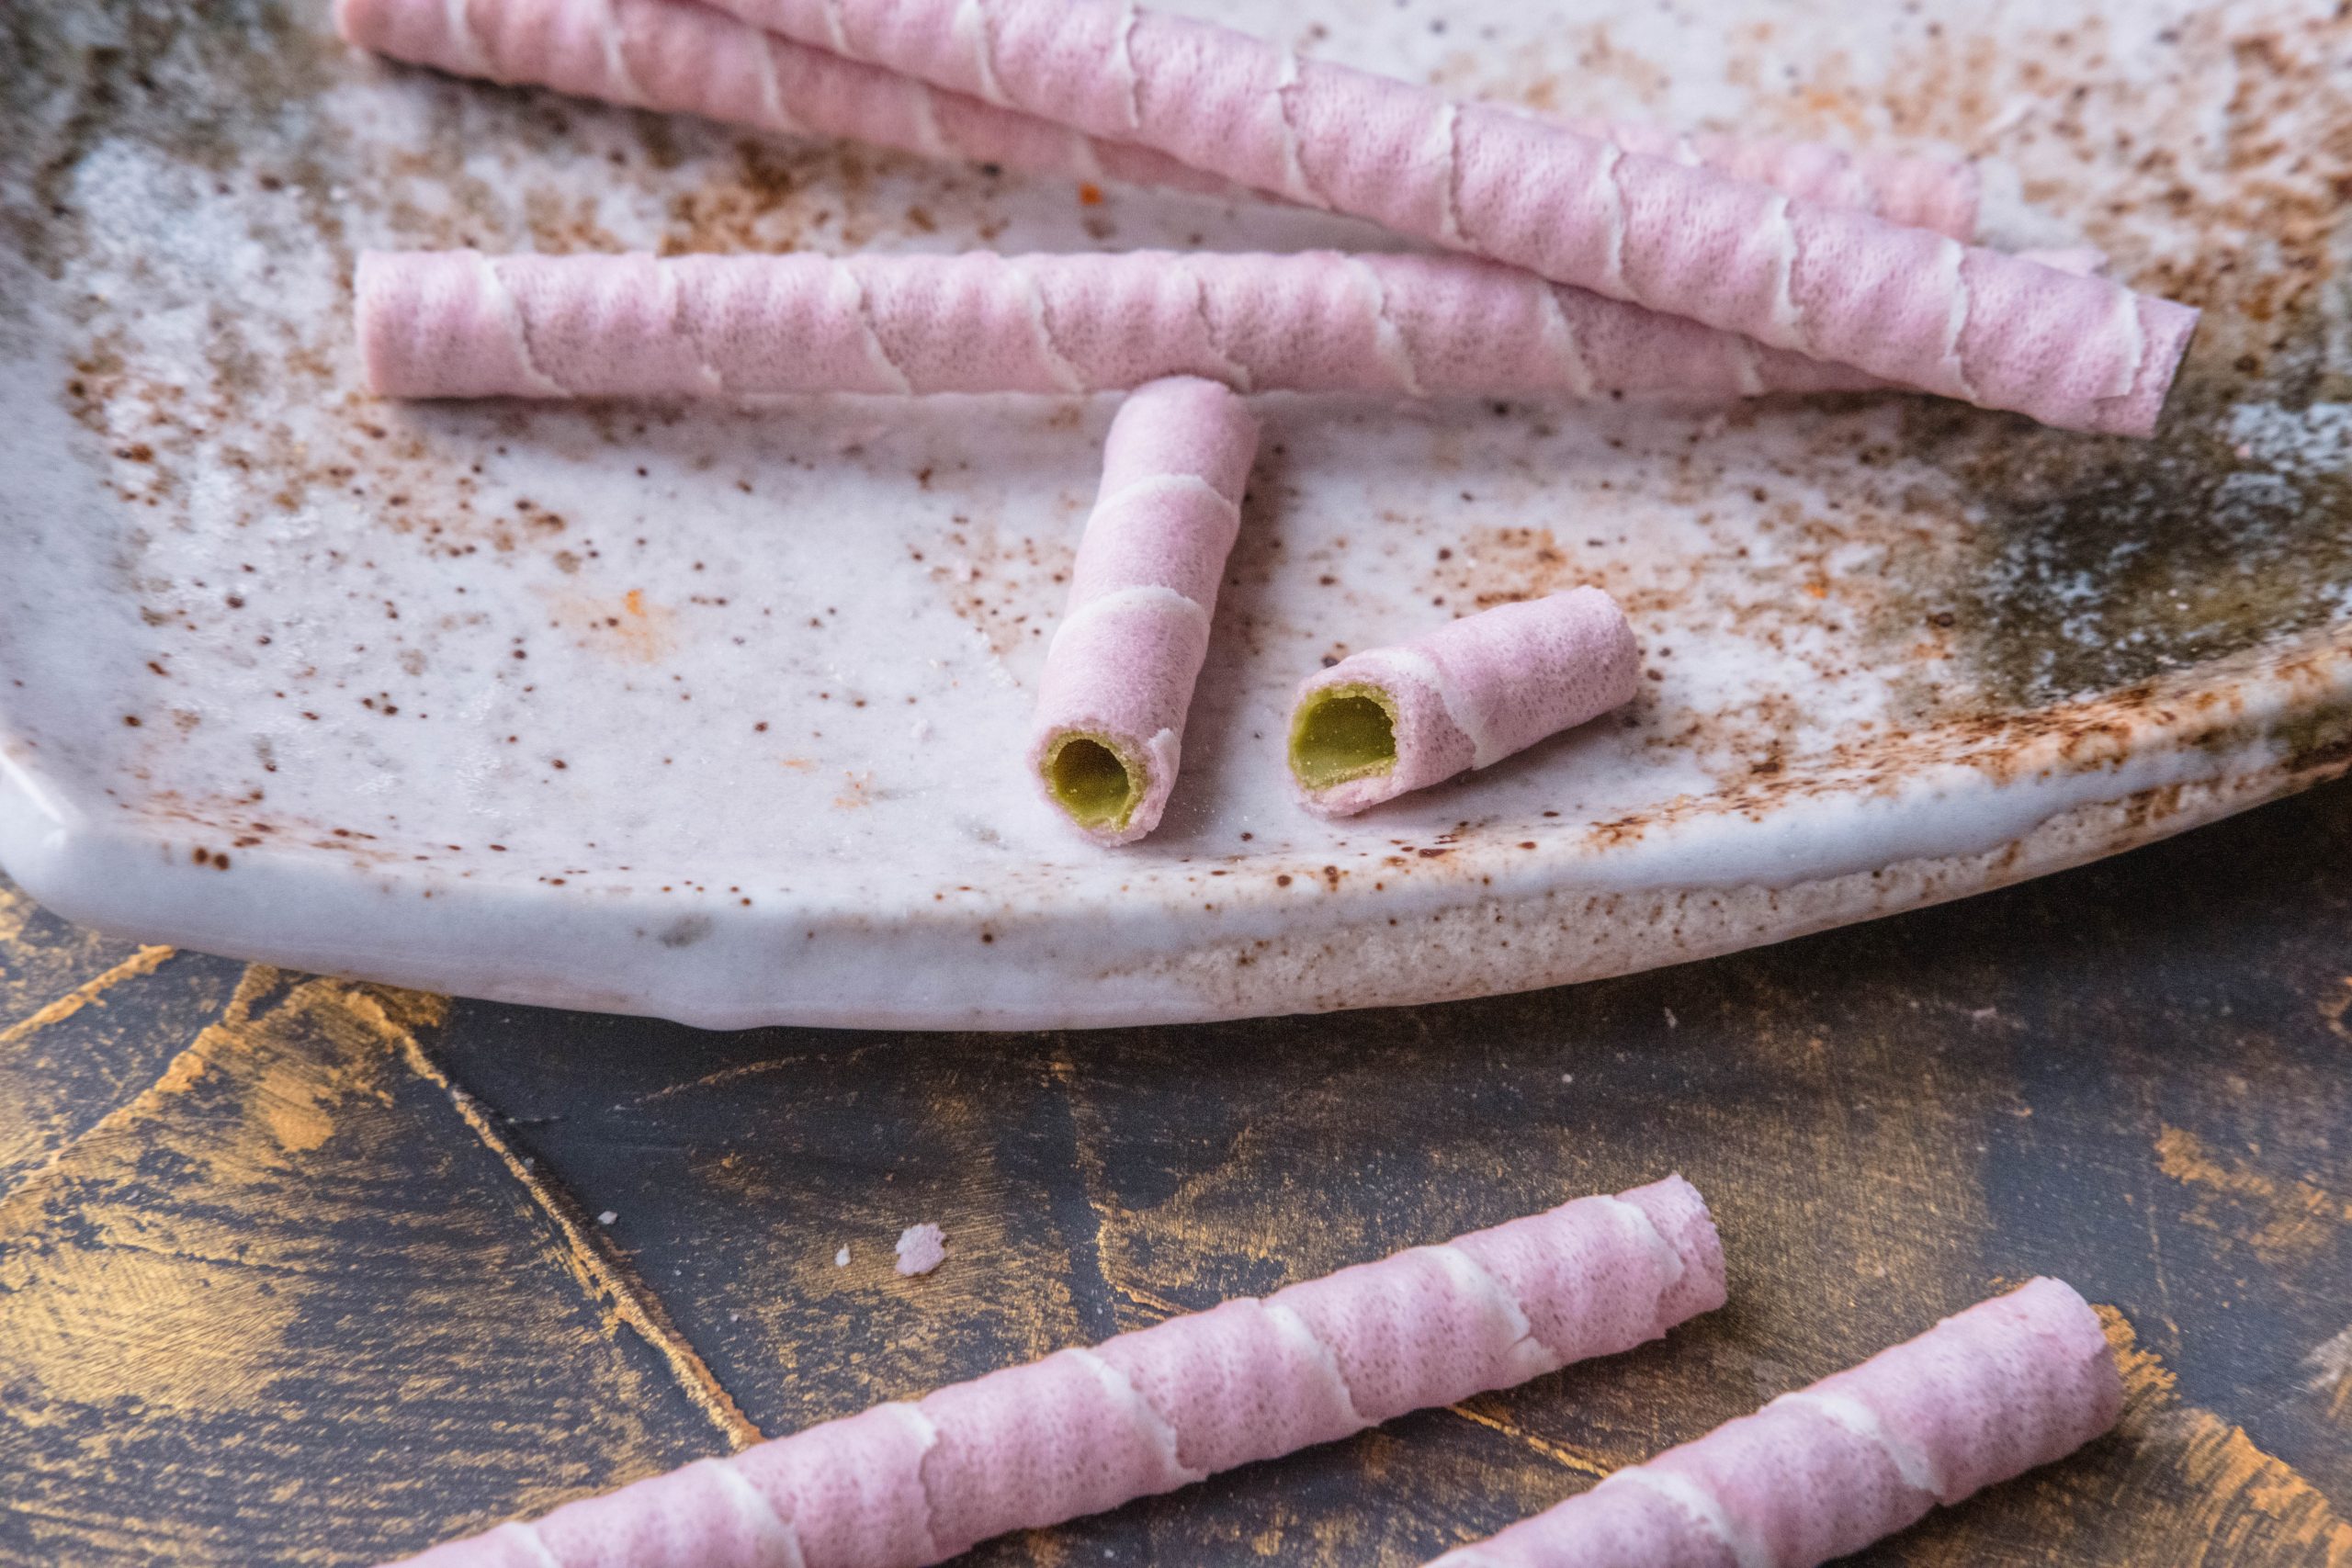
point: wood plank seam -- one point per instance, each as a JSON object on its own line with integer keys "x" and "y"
{"x": 257, "y": 979}
{"x": 1567, "y": 1458}
{"x": 143, "y": 962}
{"x": 594, "y": 1264}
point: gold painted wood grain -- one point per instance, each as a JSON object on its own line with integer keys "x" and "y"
{"x": 284, "y": 1304}
{"x": 84, "y": 1022}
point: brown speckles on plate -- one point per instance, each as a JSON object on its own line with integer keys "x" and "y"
{"x": 1008, "y": 582}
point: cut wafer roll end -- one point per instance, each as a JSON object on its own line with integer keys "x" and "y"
{"x": 1681, "y": 1216}
{"x": 2168, "y": 329}
{"x": 1341, "y": 733}
{"x": 1344, "y": 752}
{"x": 1110, "y": 720}
{"x": 1110, "y": 787}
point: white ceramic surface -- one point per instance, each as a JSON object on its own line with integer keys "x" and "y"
{"x": 718, "y": 714}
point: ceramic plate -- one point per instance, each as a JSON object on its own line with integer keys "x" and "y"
{"x": 718, "y": 712}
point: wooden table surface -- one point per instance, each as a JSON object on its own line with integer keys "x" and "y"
{"x": 296, "y": 1270}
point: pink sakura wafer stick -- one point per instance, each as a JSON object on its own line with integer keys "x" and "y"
{"x": 680, "y": 57}
{"x": 459, "y": 325}
{"x": 1923, "y": 193}
{"x": 1119, "y": 672}
{"x": 2011, "y": 1383}
{"x": 1387, "y": 720}
{"x": 1907, "y": 305}
{"x": 905, "y": 1484}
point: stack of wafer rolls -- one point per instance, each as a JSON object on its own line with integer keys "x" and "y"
{"x": 1908, "y": 304}
{"x": 1852, "y": 260}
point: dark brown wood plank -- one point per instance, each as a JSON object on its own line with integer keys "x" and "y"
{"x": 294, "y": 1293}
{"x": 286, "y": 1303}
{"x": 2129, "y": 1076}
{"x": 85, "y": 1022}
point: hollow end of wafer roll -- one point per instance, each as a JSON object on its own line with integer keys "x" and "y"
{"x": 1342, "y": 733}
{"x": 1363, "y": 732}
{"x": 1100, "y": 783}
{"x": 1104, "y": 781}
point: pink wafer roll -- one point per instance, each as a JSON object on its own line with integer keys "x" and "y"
{"x": 905, "y": 1484}
{"x": 1922, "y": 193}
{"x": 2011, "y": 1383}
{"x": 1388, "y": 720}
{"x": 677, "y": 56}
{"x": 1109, "y": 726}
{"x": 460, "y": 324}
{"x": 1904, "y": 304}
{"x": 682, "y": 57}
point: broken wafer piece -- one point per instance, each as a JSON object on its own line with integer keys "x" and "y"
{"x": 1388, "y": 720}
{"x": 1987, "y": 1394}
{"x": 1119, "y": 672}
{"x": 908, "y": 1483}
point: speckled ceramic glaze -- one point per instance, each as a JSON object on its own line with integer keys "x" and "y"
{"x": 718, "y": 712}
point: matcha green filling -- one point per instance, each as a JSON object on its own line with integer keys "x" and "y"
{"x": 1342, "y": 733}
{"x": 1090, "y": 782}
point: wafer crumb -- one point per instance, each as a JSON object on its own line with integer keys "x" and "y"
{"x": 921, "y": 1248}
